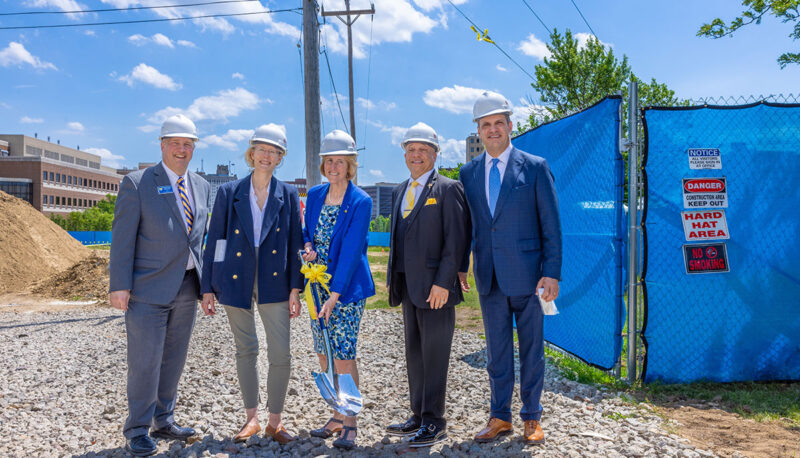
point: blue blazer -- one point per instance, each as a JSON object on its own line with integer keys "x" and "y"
{"x": 347, "y": 256}
{"x": 229, "y": 259}
{"x": 522, "y": 242}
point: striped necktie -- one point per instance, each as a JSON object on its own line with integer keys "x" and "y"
{"x": 187, "y": 209}
{"x": 410, "y": 199}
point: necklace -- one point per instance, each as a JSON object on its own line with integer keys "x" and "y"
{"x": 334, "y": 200}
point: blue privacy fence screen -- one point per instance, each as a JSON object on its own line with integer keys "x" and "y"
{"x": 743, "y": 324}
{"x": 104, "y": 237}
{"x": 583, "y": 153}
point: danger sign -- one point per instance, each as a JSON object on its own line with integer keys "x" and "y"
{"x": 704, "y": 225}
{"x": 705, "y": 192}
{"x": 705, "y": 258}
{"x": 705, "y": 158}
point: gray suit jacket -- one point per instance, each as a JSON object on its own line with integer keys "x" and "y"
{"x": 149, "y": 243}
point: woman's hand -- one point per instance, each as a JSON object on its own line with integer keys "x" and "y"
{"x": 327, "y": 307}
{"x": 294, "y": 303}
{"x": 310, "y": 254}
{"x": 208, "y": 304}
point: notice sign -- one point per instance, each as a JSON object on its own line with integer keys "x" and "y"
{"x": 705, "y": 192}
{"x": 705, "y": 258}
{"x": 704, "y": 225}
{"x": 705, "y": 158}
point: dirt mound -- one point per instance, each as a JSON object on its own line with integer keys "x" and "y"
{"x": 31, "y": 246}
{"x": 86, "y": 280}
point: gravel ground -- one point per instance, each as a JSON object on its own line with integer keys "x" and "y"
{"x": 62, "y": 393}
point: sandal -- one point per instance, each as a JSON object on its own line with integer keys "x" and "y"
{"x": 344, "y": 443}
{"x": 324, "y": 432}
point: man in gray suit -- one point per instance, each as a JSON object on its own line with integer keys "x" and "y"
{"x": 156, "y": 241}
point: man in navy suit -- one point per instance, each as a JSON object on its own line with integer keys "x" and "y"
{"x": 516, "y": 245}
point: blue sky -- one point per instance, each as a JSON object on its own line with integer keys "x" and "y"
{"x": 107, "y": 88}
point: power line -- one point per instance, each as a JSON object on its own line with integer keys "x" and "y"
{"x": 333, "y": 84}
{"x": 537, "y": 17}
{"x": 132, "y": 8}
{"x": 492, "y": 42}
{"x": 140, "y": 21}
{"x": 369, "y": 73}
{"x": 584, "y": 18}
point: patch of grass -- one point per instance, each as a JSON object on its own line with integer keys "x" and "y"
{"x": 99, "y": 247}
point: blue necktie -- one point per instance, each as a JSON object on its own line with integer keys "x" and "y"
{"x": 494, "y": 185}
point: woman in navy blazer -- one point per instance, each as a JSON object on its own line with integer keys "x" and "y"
{"x": 337, "y": 221}
{"x": 250, "y": 262}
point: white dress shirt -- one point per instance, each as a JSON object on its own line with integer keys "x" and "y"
{"x": 422, "y": 180}
{"x": 258, "y": 213}
{"x": 501, "y": 165}
{"x": 173, "y": 181}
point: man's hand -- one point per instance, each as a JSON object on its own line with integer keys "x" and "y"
{"x": 208, "y": 304}
{"x": 294, "y": 303}
{"x": 550, "y": 286}
{"x": 462, "y": 279}
{"x": 438, "y": 297}
{"x": 119, "y": 299}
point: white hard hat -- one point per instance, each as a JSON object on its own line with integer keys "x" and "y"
{"x": 272, "y": 134}
{"x": 338, "y": 143}
{"x": 421, "y": 132}
{"x": 178, "y": 126}
{"x": 490, "y": 103}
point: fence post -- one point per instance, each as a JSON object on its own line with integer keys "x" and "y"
{"x": 633, "y": 219}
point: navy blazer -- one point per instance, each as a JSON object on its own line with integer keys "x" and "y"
{"x": 522, "y": 242}
{"x": 347, "y": 254}
{"x": 229, "y": 259}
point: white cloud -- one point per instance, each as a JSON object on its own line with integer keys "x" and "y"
{"x": 452, "y": 151}
{"x": 163, "y": 40}
{"x": 107, "y": 157}
{"x": 219, "y": 107}
{"x": 370, "y": 105}
{"x": 75, "y": 126}
{"x": 395, "y": 21}
{"x": 16, "y": 54}
{"x": 376, "y": 173}
{"x": 186, "y": 43}
{"x": 456, "y": 99}
{"x": 27, "y": 120}
{"x": 90, "y": 33}
{"x": 237, "y": 76}
{"x": 230, "y": 140}
{"x": 149, "y": 75}
{"x": 501, "y": 68}
{"x": 522, "y": 112}
{"x": 63, "y": 5}
{"x": 396, "y": 132}
{"x": 159, "y": 39}
{"x": 148, "y": 128}
{"x": 583, "y": 38}
{"x": 534, "y": 47}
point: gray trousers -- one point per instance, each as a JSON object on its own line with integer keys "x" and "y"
{"x": 158, "y": 340}
{"x": 275, "y": 318}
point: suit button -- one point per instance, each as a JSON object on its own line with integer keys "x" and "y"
{"x": 238, "y": 254}
{"x": 235, "y": 276}
{"x": 236, "y": 231}
{"x": 278, "y": 230}
{"x": 274, "y": 274}
{"x": 274, "y": 251}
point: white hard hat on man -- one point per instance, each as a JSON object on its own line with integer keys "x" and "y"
{"x": 423, "y": 133}
{"x": 178, "y": 126}
{"x": 490, "y": 103}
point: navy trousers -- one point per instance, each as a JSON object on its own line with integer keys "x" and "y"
{"x": 158, "y": 340}
{"x": 499, "y": 311}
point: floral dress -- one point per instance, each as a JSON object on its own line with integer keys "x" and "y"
{"x": 345, "y": 318}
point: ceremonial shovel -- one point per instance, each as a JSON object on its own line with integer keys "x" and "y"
{"x": 338, "y": 390}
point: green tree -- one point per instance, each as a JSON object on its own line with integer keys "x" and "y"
{"x": 380, "y": 224}
{"x": 754, "y": 12}
{"x": 97, "y": 218}
{"x": 450, "y": 172}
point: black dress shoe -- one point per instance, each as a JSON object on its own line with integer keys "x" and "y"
{"x": 173, "y": 431}
{"x": 141, "y": 446}
{"x": 409, "y": 428}
{"x": 428, "y": 435}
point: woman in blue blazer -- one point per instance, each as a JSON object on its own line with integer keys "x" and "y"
{"x": 337, "y": 221}
{"x": 250, "y": 262}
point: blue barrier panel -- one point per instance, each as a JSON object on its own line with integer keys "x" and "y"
{"x": 379, "y": 239}
{"x": 727, "y": 326}
{"x": 583, "y": 153}
{"x": 92, "y": 237}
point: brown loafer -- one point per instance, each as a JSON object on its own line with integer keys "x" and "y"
{"x": 533, "y": 433}
{"x": 279, "y": 435}
{"x": 247, "y": 430}
{"x": 494, "y": 429}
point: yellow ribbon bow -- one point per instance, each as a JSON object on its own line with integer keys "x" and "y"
{"x": 482, "y": 37}
{"x": 314, "y": 273}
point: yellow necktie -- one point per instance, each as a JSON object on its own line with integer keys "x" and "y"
{"x": 410, "y": 199}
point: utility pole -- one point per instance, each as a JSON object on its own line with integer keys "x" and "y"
{"x": 311, "y": 72}
{"x": 352, "y": 16}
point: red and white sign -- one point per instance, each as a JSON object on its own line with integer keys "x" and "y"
{"x": 705, "y": 225}
{"x": 705, "y": 193}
